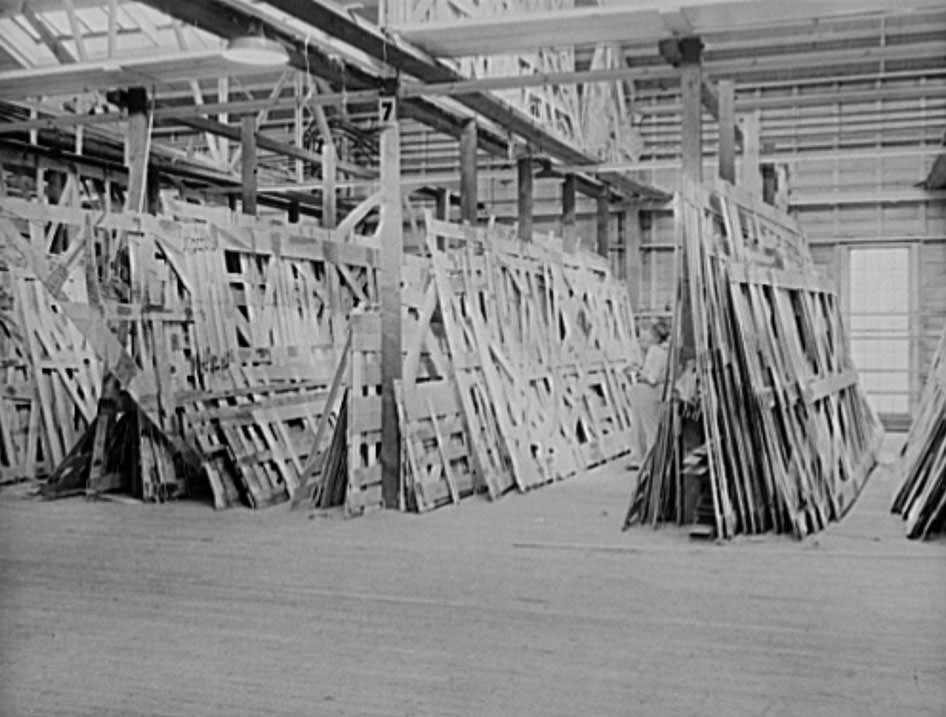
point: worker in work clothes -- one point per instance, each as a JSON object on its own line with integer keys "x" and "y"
{"x": 646, "y": 393}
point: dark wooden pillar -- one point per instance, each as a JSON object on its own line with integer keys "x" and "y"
{"x": 136, "y": 148}
{"x": 329, "y": 206}
{"x": 248, "y": 163}
{"x": 691, "y": 82}
{"x": 524, "y": 172}
{"x": 603, "y": 223}
{"x": 468, "y": 189}
{"x": 769, "y": 182}
{"x": 442, "y": 207}
{"x": 568, "y": 212}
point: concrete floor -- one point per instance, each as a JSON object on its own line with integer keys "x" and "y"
{"x": 535, "y": 605}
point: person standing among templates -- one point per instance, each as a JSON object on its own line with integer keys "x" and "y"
{"x": 646, "y": 394}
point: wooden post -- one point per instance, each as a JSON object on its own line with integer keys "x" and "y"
{"x": 329, "y": 210}
{"x": 769, "y": 182}
{"x": 691, "y": 83}
{"x": 442, "y": 208}
{"x": 136, "y": 148}
{"x": 248, "y": 163}
{"x": 727, "y": 131}
{"x": 55, "y": 186}
{"x": 691, "y": 80}
{"x": 569, "y": 236}
{"x": 468, "y": 189}
{"x": 603, "y": 223}
{"x": 633, "y": 269}
{"x": 389, "y": 285}
{"x": 750, "y": 177}
{"x": 153, "y": 192}
{"x": 136, "y": 159}
{"x": 524, "y": 166}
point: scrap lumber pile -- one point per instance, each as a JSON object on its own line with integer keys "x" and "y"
{"x": 764, "y": 426}
{"x": 158, "y": 355}
{"x": 516, "y": 373}
{"x": 921, "y": 499}
{"x": 50, "y": 375}
{"x": 217, "y": 344}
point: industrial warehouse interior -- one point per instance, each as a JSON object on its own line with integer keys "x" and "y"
{"x": 466, "y": 357}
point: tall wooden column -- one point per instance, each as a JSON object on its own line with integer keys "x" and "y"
{"x": 136, "y": 159}
{"x": 569, "y": 236}
{"x": 524, "y": 172}
{"x": 389, "y": 286}
{"x": 691, "y": 84}
{"x": 468, "y": 199}
{"x": 442, "y": 207}
{"x": 769, "y": 182}
{"x": 751, "y": 178}
{"x": 136, "y": 148}
{"x": 603, "y": 223}
{"x": 329, "y": 163}
{"x": 633, "y": 269}
{"x": 727, "y": 131}
{"x": 248, "y": 163}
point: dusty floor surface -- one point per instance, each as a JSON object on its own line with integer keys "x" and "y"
{"x": 535, "y": 605}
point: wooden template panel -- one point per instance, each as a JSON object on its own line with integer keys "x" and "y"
{"x": 921, "y": 499}
{"x": 765, "y": 426}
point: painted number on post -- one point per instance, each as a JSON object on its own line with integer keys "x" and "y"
{"x": 387, "y": 109}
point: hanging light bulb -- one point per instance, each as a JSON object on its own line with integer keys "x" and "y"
{"x": 256, "y": 50}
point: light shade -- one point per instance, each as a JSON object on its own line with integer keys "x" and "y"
{"x": 256, "y": 50}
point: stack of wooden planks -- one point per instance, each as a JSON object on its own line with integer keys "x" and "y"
{"x": 540, "y": 343}
{"x": 775, "y": 433}
{"x": 217, "y": 343}
{"x": 921, "y": 499}
{"x": 50, "y": 374}
{"x": 156, "y": 355}
{"x": 516, "y": 373}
